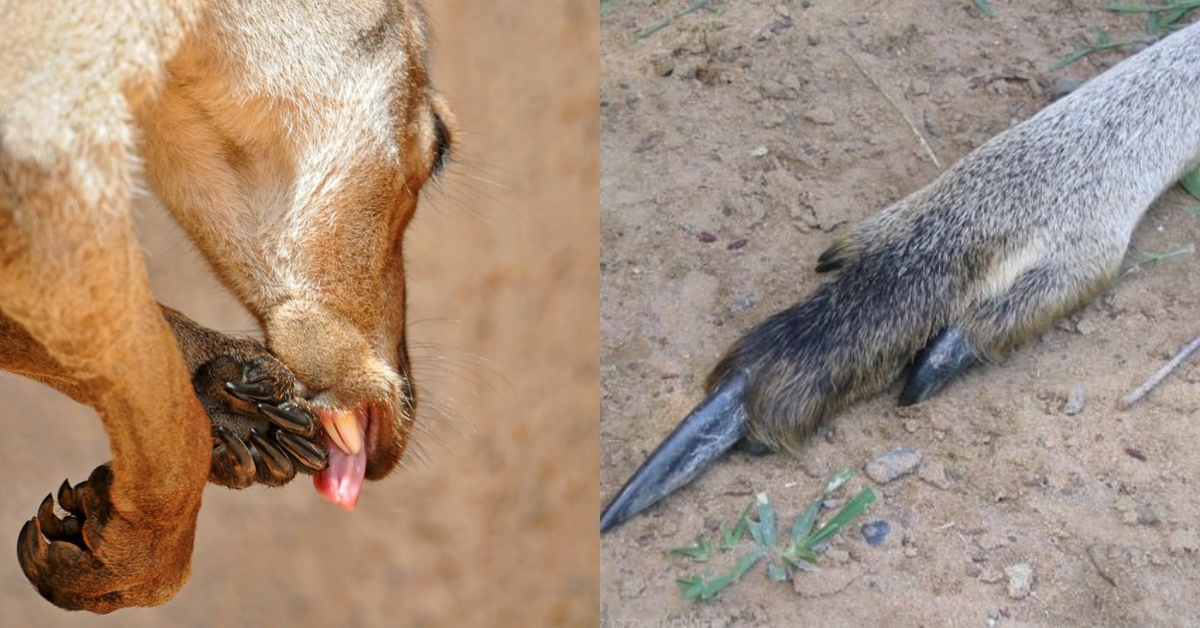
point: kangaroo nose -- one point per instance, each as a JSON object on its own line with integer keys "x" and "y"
{"x": 318, "y": 344}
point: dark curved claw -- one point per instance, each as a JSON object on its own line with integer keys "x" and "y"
{"x": 251, "y": 392}
{"x": 306, "y": 452}
{"x": 709, "y": 431}
{"x": 290, "y": 417}
{"x": 233, "y": 458}
{"x": 50, "y": 524}
{"x": 31, "y": 547}
{"x": 278, "y": 466}
{"x": 943, "y": 359}
{"x": 68, "y": 500}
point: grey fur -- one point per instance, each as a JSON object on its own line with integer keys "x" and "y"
{"x": 1024, "y": 229}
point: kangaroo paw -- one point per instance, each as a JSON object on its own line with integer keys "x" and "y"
{"x": 93, "y": 558}
{"x": 261, "y": 434}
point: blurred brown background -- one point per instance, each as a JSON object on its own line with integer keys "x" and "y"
{"x": 497, "y": 526}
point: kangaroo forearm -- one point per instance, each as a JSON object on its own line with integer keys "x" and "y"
{"x": 21, "y": 354}
{"x": 198, "y": 343}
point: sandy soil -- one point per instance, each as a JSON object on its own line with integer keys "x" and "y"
{"x": 486, "y": 530}
{"x": 734, "y": 143}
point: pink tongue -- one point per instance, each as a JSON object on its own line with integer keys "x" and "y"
{"x": 342, "y": 480}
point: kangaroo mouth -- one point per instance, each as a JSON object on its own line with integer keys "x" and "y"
{"x": 349, "y": 435}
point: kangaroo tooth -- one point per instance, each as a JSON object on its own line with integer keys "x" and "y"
{"x": 332, "y": 433}
{"x": 342, "y": 427}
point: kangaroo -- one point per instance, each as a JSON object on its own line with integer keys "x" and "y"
{"x": 291, "y": 142}
{"x": 1021, "y": 231}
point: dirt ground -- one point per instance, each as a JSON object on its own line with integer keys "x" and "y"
{"x": 734, "y": 144}
{"x": 486, "y": 530}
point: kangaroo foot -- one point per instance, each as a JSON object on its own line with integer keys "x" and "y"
{"x": 83, "y": 561}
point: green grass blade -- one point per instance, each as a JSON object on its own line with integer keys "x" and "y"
{"x": 1191, "y": 183}
{"x": 838, "y": 479}
{"x": 605, "y": 7}
{"x": 1154, "y": 258}
{"x": 801, "y": 557}
{"x": 776, "y": 572}
{"x": 730, "y": 538}
{"x": 1171, "y": 17}
{"x": 1129, "y": 8}
{"x": 805, "y": 522}
{"x": 807, "y": 519}
{"x": 658, "y": 25}
{"x": 716, "y": 585}
{"x": 848, "y": 512}
{"x": 698, "y": 551}
{"x": 1085, "y": 48}
{"x": 653, "y": 28}
{"x": 1138, "y": 8}
{"x": 983, "y": 5}
{"x": 690, "y": 587}
{"x": 763, "y": 531}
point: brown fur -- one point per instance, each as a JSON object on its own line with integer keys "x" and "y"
{"x": 293, "y": 157}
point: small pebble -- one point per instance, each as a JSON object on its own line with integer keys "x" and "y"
{"x": 1020, "y": 580}
{"x": 989, "y": 541}
{"x": 990, "y": 575}
{"x": 1075, "y": 402}
{"x": 1184, "y": 541}
{"x": 875, "y": 532}
{"x": 893, "y": 464}
{"x": 819, "y": 115}
{"x": 745, "y": 301}
{"x": 1065, "y": 85}
{"x": 706, "y": 237}
{"x": 761, "y": 151}
{"x": 934, "y": 474}
{"x": 838, "y": 555}
{"x": 1147, "y": 515}
{"x": 632, "y": 587}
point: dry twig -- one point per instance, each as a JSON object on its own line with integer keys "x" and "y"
{"x": 896, "y": 106}
{"x": 1157, "y": 378}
